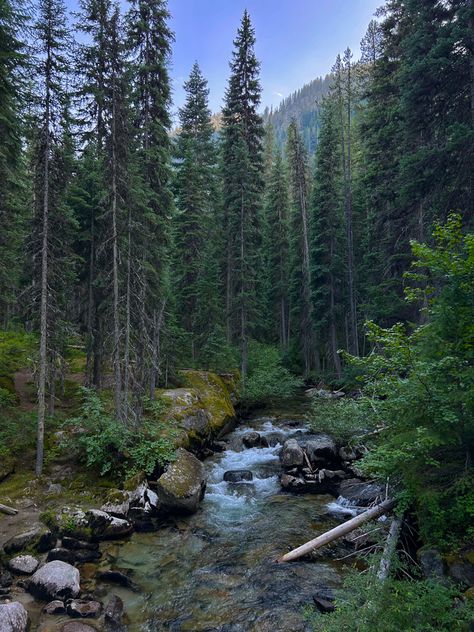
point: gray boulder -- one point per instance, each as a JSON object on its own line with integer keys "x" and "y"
{"x": 182, "y": 486}
{"x": 23, "y": 564}
{"x": 360, "y": 493}
{"x": 65, "y": 555}
{"x": 13, "y": 617}
{"x": 55, "y": 580}
{"x": 103, "y": 526}
{"x": 431, "y": 562}
{"x": 319, "y": 447}
{"x": 39, "y": 538}
{"x": 291, "y": 454}
{"x": 113, "y": 614}
{"x": 462, "y": 572}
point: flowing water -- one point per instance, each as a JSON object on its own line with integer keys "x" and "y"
{"x": 216, "y": 569}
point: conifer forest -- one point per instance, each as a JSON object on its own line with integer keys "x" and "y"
{"x": 235, "y": 330}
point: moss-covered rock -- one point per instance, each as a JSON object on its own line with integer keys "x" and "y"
{"x": 201, "y": 409}
{"x": 182, "y": 486}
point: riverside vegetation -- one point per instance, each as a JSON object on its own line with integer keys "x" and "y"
{"x": 152, "y": 279}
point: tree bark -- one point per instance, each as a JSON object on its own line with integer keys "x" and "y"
{"x": 339, "y": 531}
{"x": 43, "y": 360}
{"x": 389, "y": 549}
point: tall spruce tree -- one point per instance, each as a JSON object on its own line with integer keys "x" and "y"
{"x": 91, "y": 70}
{"x": 149, "y": 43}
{"x": 12, "y": 215}
{"x": 277, "y": 248}
{"x": 196, "y": 187}
{"x": 301, "y": 301}
{"x": 242, "y": 188}
{"x": 51, "y": 172}
{"x": 327, "y": 241}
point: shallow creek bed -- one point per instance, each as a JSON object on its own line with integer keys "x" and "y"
{"x": 216, "y": 569}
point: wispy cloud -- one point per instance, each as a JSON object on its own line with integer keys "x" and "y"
{"x": 278, "y": 94}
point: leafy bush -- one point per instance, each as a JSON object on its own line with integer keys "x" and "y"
{"x": 112, "y": 446}
{"x": 366, "y": 605}
{"x": 419, "y": 389}
{"x": 268, "y": 380}
{"x": 347, "y": 420}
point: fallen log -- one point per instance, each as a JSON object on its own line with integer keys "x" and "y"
{"x": 389, "y": 549}
{"x": 339, "y": 531}
{"x": 8, "y": 510}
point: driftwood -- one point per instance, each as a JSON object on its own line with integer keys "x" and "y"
{"x": 8, "y": 510}
{"x": 339, "y": 531}
{"x": 389, "y": 549}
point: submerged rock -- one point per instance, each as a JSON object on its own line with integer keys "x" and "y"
{"x": 13, "y": 617}
{"x": 82, "y": 608}
{"x": 115, "y": 576}
{"x": 113, "y": 614}
{"x": 254, "y": 440}
{"x": 237, "y": 476}
{"x": 23, "y": 564}
{"x": 55, "y": 580}
{"x": 182, "y": 486}
{"x": 55, "y": 607}
{"x": 76, "y": 626}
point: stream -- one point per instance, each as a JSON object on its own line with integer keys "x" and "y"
{"x": 216, "y": 570}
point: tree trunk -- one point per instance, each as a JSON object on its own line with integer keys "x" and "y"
{"x": 43, "y": 360}
{"x": 339, "y": 531}
{"x": 115, "y": 273}
{"x": 389, "y": 549}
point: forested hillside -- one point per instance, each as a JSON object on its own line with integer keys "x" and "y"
{"x": 327, "y": 243}
{"x": 304, "y": 105}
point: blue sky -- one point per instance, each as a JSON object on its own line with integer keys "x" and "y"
{"x": 297, "y": 40}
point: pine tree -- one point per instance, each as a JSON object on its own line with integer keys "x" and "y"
{"x": 91, "y": 70}
{"x": 12, "y": 216}
{"x": 242, "y": 188}
{"x": 343, "y": 90}
{"x": 196, "y": 187}
{"x": 277, "y": 247}
{"x": 149, "y": 43}
{"x": 327, "y": 242}
{"x": 300, "y": 261}
{"x": 51, "y": 173}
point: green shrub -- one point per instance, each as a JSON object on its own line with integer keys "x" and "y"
{"x": 366, "y": 605}
{"x": 268, "y": 380}
{"x": 419, "y": 390}
{"x": 111, "y": 446}
{"x": 347, "y": 420}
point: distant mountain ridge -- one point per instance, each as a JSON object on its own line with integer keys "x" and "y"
{"x": 304, "y": 105}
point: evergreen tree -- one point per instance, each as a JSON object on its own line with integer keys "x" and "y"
{"x": 301, "y": 301}
{"x": 12, "y": 216}
{"x": 242, "y": 188}
{"x": 196, "y": 186}
{"x": 149, "y": 42}
{"x": 91, "y": 70}
{"x": 51, "y": 219}
{"x": 277, "y": 247}
{"x": 327, "y": 242}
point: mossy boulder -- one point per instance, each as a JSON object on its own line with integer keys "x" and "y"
{"x": 182, "y": 486}
{"x": 201, "y": 409}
